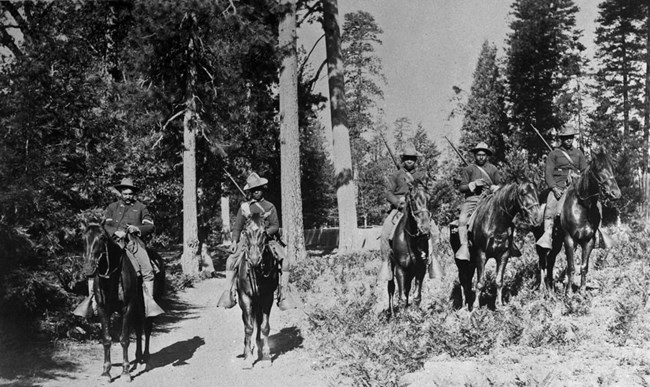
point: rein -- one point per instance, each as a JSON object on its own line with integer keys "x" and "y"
{"x": 108, "y": 272}
{"x": 414, "y": 212}
{"x": 600, "y": 184}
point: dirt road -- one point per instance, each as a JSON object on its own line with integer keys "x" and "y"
{"x": 195, "y": 344}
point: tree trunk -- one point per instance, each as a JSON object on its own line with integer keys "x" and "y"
{"x": 290, "y": 137}
{"x": 190, "y": 260}
{"x": 646, "y": 115}
{"x": 344, "y": 178}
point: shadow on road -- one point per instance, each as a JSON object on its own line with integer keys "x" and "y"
{"x": 284, "y": 341}
{"x": 176, "y": 354}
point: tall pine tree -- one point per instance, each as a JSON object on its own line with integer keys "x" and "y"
{"x": 543, "y": 55}
{"x": 485, "y": 116}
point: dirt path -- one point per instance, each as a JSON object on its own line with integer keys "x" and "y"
{"x": 195, "y": 344}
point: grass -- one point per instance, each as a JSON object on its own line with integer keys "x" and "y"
{"x": 345, "y": 331}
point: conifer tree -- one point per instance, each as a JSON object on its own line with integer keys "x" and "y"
{"x": 485, "y": 113}
{"x": 543, "y": 55}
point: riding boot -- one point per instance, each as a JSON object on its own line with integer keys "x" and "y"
{"x": 151, "y": 308}
{"x": 285, "y": 298}
{"x": 463, "y": 251}
{"x": 228, "y": 298}
{"x": 88, "y": 307}
{"x": 545, "y": 241}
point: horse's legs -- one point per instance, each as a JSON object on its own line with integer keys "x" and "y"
{"x": 569, "y": 250}
{"x": 550, "y": 265}
{"x": 263, "y": 330}
{"x": 584, "y": 268}
{"x": 105, "y": 318}
{"x": 419, "y": 279}
{"x": 406, "y": 279}
{"x": 501, "y": 268}
{"x": 479, "y": 257}
{"x": 138, "y": 326}
{"x": 148, "y": 328}
{"x": 127, "y": 320}
{"x": 391, "y": 293}
{"x": 248, "y": 317}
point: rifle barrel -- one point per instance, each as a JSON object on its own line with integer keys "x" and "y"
{"x": 456, "y": 150}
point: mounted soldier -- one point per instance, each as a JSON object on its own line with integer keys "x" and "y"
{"x": 266, "y": 210}
{"x": 397, "y": 187}
{"x": 127, "y": 221}
{"x": 563, "y": 165}
{"x": 477, "y": 180}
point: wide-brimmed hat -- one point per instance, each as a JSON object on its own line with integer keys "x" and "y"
{"x": 567, "y": 131}
{"x": 127, "y": 182}
{"x": 254, "y": 180}
{"x": 481, "y": 146}
{"x": 409, "y": 151}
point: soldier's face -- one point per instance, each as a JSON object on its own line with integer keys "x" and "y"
{"x": 567, "y": 142}
{"x": 481, "y": 158}
{"x": 409, "y": 163}
{"x": 128, "y": 196}
{"x": 258, "y": 193}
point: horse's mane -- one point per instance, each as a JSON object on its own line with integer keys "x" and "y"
{"x": 501, "y": 199}
{"x": 600, "y": 161}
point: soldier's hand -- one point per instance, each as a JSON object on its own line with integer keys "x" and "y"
{"x": 480, "y": 182}
{"x": 494, "y": 188}
{"x": 472, "y": 186}
{"x": 133, "y": 230}
{"x": 557, "y": 192}
{"x": 401, "y": 205}
{"x": 233, "y": 248}
{"x": 120, "y": 233}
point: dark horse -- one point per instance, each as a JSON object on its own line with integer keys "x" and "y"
{"x": 579, "y": 221}
{"x": 410, "y": 245}
{"x": 491, "y": 237}
{"x": 257, "y": 279}
{"x": 118, "y": 288}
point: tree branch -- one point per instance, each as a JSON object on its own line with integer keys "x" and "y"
{"x": 304, "y": 63}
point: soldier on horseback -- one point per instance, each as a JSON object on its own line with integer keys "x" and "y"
{"x": 127, "y": 221}
{"x": 257, "y": 206}
{"x": 563, "y": 165}
{"x": 397, "y": 186}
{"x": 477, "y": 179}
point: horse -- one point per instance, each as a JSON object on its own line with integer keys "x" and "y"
{"x": 118, "y": 288}
{"x": 579, "y": 221}
{"x": 410, "y": 246}
{"x": 491, "y": 236}
{"x": 257, "y": 280}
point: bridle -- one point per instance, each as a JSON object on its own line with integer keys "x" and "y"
{"x": 602, "y": 185}
{"x": 415, "y": 212}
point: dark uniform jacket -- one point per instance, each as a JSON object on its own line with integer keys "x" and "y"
{"x": 472, "y": 172}
{"x": 398, "y": 185}
{"x": 558, "y": 166}
{"x": 119, "y": 216}
{"x": 271, "y": 222}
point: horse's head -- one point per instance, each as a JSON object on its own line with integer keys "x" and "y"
{"x": 602, "y": 171}
{"x": 529, "y": 207}
{"x": 95, "y": 239}
{"x": 254, "y": 239}
{"x": 417, "y": 201}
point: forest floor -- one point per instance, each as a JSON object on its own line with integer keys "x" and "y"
{"x": 194, "y": 344}
{"x": 338, "y": 337}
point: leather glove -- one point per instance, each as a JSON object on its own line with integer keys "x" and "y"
{"x": 133, "y": 230}
{"x": 120, "y": 233}
{"x": 557, "y": 192}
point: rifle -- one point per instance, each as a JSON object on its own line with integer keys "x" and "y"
{"x": 540, "y": 136}
{"x": 234, "y": 182}
{"x": 457, "y": 152}
{"x": 390, "y": 151}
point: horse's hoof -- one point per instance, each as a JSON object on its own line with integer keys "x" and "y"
{"x": 247, "y": 364}
{"x": 265, "y": 363}
{"x": 126, "y": 377}
{"x": 106, "y": 375}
